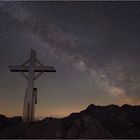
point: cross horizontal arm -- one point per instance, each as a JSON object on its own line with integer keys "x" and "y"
{"x": 36, "y": 69}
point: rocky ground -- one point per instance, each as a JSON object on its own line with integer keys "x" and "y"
{"x": 94, "y": 122}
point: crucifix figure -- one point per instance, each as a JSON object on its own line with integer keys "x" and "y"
{"x": 30, "y": 98}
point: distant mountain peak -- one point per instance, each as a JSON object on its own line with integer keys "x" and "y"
{"x": 126, "y": 106}
{"x": 91, "y": 106}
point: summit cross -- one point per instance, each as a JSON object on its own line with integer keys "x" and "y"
{"x": 31, "y": 66}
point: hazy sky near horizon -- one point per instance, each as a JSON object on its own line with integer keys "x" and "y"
{"x": 94, "y": 47}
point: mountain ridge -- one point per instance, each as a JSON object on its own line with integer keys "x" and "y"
{"x": 95, "y": 121}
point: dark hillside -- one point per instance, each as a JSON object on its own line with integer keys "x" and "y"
{"x": 109, "y": 121}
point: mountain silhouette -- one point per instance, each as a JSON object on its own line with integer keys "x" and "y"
{"x": 110, "y": 121}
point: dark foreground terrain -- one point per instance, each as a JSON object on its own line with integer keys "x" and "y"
{"x": 94, "y": 122}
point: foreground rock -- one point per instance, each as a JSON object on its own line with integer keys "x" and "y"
{"x": 94, "y": 122}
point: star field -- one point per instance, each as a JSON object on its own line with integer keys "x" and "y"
{"x": 94, "y": 47}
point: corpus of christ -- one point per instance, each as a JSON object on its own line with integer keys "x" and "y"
{"x": 32, "y": 66}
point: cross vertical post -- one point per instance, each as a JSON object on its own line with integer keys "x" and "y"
{"x": 28, "y": 106}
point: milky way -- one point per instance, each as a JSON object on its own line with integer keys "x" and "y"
{"x": 93, "y": 45}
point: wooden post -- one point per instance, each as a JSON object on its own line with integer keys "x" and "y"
{"x": 30, "y": 87}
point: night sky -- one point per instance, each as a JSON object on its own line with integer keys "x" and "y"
{"x": 94, "y": 47}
